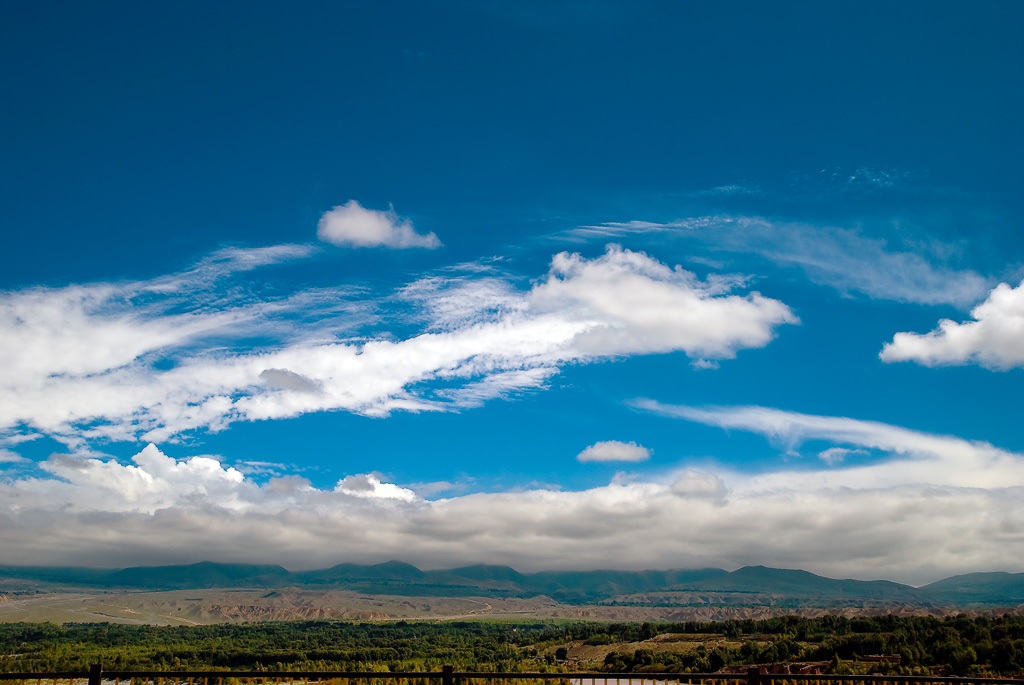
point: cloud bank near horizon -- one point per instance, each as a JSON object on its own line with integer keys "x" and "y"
{"x": 927, "y": 507}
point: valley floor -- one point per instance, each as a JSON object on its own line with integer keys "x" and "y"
{"x": 203, "y": 607}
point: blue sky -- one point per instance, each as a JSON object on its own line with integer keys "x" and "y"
{"x": 577, "y": 285}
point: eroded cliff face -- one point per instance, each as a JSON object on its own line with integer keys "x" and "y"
{"x": 219, "y": 613}
{"x": 196, "y": 607}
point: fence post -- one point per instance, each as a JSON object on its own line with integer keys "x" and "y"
{"x": 446, "y": 675}
{"x": 96, "y": 674}
{"x": 754, "y": 675}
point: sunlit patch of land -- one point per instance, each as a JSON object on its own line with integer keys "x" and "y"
{"x": 209, "y": 606}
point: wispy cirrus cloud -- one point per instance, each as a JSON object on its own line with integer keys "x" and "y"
{"x": 614, "y": 230}
{"x": 837, "y": 455}
{"x": 860, "y": 180}
{"x": 840, "y": 258}
{"x": 119, "y": 361}
{"x": 994, "y": 339}
{"x": 916, "y": 458}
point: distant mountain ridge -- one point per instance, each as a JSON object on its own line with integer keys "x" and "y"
{"x": 975, "y": 588}
{"x": 748, "y": 586}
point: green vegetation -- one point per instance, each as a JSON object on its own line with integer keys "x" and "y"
{"x": 299, "y": 645}
{"x": 956, "y": 645}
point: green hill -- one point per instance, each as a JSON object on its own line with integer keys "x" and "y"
{"x": 779, "y": 587}
{"x": 205, "y": 574}
{"x": 978, "y": 588}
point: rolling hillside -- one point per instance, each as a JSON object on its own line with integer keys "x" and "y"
{"x": 748, "y": 586}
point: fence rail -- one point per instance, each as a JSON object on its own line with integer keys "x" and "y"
{"x": 448, "y": 676}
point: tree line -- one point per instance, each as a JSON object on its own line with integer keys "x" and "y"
{"x": 958, "y": 645}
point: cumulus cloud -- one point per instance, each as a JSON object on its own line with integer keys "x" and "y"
{"x": 994, "y": 339}
{"x": 158, "y": 509}
{"x": 352, "y": 225}
{"x": 90, "y": 362}
{"x": 369, "y": 485}
{"x": 153, "y": 481}
{"x": 841, "y": 258}
{"x": 692, "y": 484}
{"x": 613, "y": 450}
{"x": 641, "y": 305}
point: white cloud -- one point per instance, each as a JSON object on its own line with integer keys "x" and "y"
{"x": 918, "y": 459}
{"x": 352, "y": 225}
{"x": 452, "y": 303}
{"x": 154, "y": 481}
{"x": 217, "y": 266}
{"x": 502, "y": 384}
{"x": 837, "y": 455}
{"x": 9, "y": 457}
{"x": 613, "y": 450}
{"x": 90, "y": 362}
{"x": 67, "y": 332}
{"x": 618, "y": 229}
{"x": 835, "y": 522}
{"x": 634, "y": 304}
{"x": 369, "y": 485}
{"x": 850, "y": 262}
{"x": 230, "y": 259}
{"x": 692, "y": 484}
{"x": 994, "y": 339}
{"x": 841, "y": 258}
{"x": 283, "y": 379}
{"x": 262, "y": 468}
{"x": 9, "y": 438}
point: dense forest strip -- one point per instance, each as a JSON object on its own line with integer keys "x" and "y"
{"x": 917, "y": 645}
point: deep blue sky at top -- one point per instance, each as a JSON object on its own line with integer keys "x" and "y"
{"x": 138, "y": 137}
{"x": 204, "y": 122}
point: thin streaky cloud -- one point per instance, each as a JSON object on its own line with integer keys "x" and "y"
{"x": 916, "y": 457}
{"x": 840, "y": 258}
{"x": 223, "y": 263}
{"x": 620, "y": 229}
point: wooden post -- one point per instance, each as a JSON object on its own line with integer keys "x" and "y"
{"x": 446, "y": 675}
{"x": 96, "y": 674}
{"x": 754, "y": 676}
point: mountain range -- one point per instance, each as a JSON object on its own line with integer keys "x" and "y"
{"x": 748, "y": 586}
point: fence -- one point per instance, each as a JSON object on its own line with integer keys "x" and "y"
{"x": 448, "y": 676}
